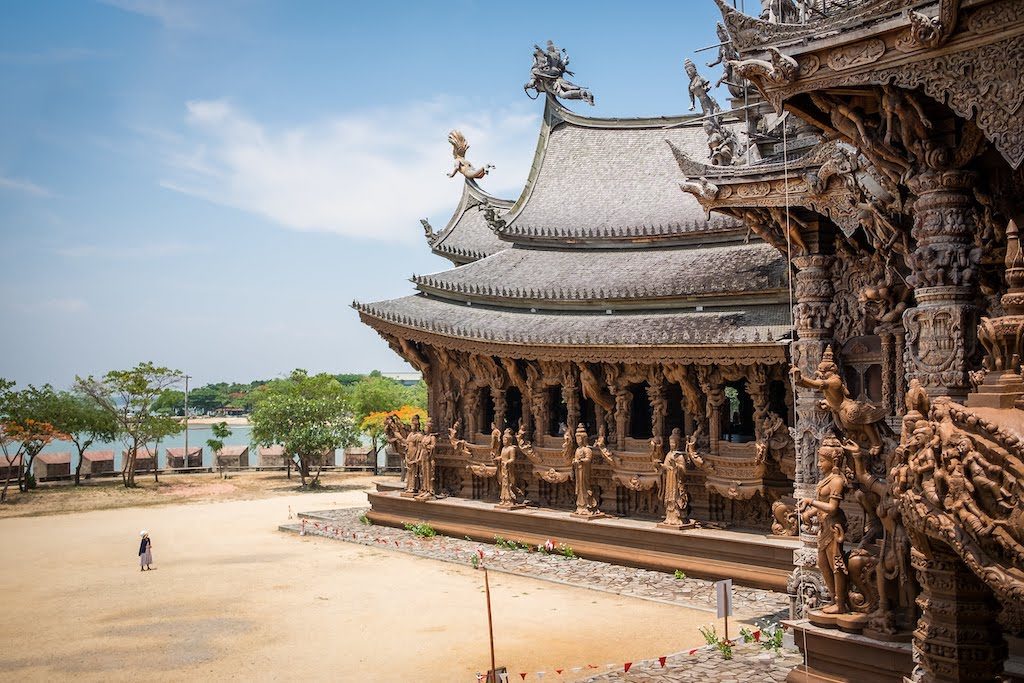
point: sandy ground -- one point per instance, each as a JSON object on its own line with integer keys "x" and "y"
{"x": 106, "y": 493}
{"x": 234, "y": 598}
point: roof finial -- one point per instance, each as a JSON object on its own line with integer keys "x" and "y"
{"x": 459, "y": 149}
{"x": 548, "y": 73}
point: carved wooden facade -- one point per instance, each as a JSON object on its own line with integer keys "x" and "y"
{"x": 897, "y": 226}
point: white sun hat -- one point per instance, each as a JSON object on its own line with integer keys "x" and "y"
{"x": 143, "y": 533}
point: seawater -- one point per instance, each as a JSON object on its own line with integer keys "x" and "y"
{"x": 241, "y": 435}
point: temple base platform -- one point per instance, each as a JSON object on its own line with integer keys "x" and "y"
{"x": 750, "y": 559}
{"x": 834, "y": 656}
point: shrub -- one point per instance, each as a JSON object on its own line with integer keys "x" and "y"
{"x": 680, "y": 574}
{"x": 422, "y": 530}
{"x": 363, "y": 519}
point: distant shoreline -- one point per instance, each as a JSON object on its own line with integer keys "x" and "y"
{"x": 206, "y": 420}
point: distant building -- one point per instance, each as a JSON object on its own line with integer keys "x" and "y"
{"x": 271, "y": 456}
{"x": 404, "y": 378}
{"x": 10, "y": 469}
{"x": 233, "y": 457}
{"x": 52, "y": 465}
{"x": 176, "y": 458}
{"x": 97, "y": 462}
{"x": 145, "y": 460}
{"x": 359, "y": 457}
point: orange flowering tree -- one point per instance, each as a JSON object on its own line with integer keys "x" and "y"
{"x": 374, "y": 425}
{"x": 25, "y": 429}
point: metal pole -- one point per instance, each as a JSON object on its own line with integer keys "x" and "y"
{"x": 490, "y": 627}
{"x": 184, "y": 460}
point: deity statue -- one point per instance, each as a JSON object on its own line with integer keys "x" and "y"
{"x": 722, "y": 143}
{"x": 427, "y": 464}
{"x": 726, "y": 55}
{"x": 699, "y": 87}
{"x": 832, "y": 525}
{"x": 411, "y": 451}
{"x": 459, "y": 149}
{"x": 548, "y": 75}
{"x": 856, "y": 418}
{"x": 673, "y": 487}
{"x": 495, "y": 440}
{"x": 895, "y": 581}
{"x": 779, "y": 442}
{"x": 582, "y": 460}
{"x": 505, "y": 459}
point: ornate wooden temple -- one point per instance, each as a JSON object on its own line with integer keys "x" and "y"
{"x": 618, "y": 351}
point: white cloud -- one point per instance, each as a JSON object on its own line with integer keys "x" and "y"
{"x": 24, "y": 186}
{"x": 174, "y": 14}
{"x": 126, "y": 251}
{"x": 368, "y": 174}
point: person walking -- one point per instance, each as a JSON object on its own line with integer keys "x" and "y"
{"x": 145, "y": 552}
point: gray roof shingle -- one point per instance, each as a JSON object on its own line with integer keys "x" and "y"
{"x": 645, "y": 328}
{"x": 529, "y": 275}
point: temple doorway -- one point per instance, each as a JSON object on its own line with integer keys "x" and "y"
{"x": 488, "y": 407}
{"x": 559, "y": 412}
{"x": 640, "y": 413}
{"x": 738, "y": 413}
{"x": 675, "y": 418}
{"x": 588, "y": 415}
{"x": 778, "y": 392}
{"x": 513, "y": 408}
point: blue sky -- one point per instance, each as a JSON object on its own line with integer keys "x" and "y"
{"x": 208, "y": 185}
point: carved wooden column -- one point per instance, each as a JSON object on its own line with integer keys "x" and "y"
{"x": 539, "y": 406}
{"x": 623, "y": 404}
{"x": 941, "y": 331}
{"x": 659, "y": 407}
{"x": 711, "y": 384}
{"x": 899, "y": 372}
{"x": 500, "y": 406}
{"x": 958, "y": 637}
{"x": 889, "y": 399}
{"x": 571, "y": 396}
{"x": 472, "y": 412}
{"x": 813, "y": 319}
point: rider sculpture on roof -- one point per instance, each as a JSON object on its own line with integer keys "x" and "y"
{"x": 550, "y": 67}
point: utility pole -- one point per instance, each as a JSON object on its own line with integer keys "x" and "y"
{"x": 184, "y": 461}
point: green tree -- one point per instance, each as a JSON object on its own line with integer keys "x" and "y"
{"x": 84, "y": 422}
{"x": 204, "y": 399}
{"x": 170, "y": 402}
{"x": 416, "y": 395}
{"x": 309, "y": 416}
{"x": 129, "y": 397}
{"x": 220, "y": 431}
{"x": 25, "y": 428}
{"x": 375, "y": 394}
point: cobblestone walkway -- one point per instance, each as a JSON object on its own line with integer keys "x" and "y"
{"x": 749, "y": 663}
{"x": 749, "y": 604}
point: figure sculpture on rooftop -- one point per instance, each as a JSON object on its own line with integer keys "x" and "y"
{"x": 699, "y": 87}
{"x": 459, "y": 149}
{"x": 726, "y": 55}
{"x": 548, "y": 75}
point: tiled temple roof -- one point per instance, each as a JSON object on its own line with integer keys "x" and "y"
{"x": 467, "y": 237}
{"x": 599, "y": 180}
{"x": 753, "y": 325}
{"x": 524, "y": 277}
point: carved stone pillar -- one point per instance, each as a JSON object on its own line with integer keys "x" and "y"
{"x": 941, "y": 331}
{"x": 500, "y": 406}
{"x": 958, "y": 637}
{"x": 813, "y": 319}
